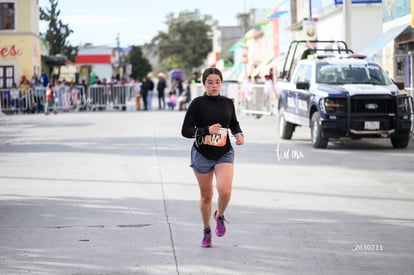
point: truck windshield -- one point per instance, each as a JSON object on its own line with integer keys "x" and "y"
{"x": 351, "y": 73}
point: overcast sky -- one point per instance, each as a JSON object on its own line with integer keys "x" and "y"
{"x": 138, "y": 21}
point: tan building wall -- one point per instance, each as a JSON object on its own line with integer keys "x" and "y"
{"x": 20, "y": 47}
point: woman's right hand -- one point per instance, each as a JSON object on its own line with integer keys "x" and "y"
{"x": 214, "y": 129}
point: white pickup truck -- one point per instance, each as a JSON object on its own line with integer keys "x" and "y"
{"x": 340, "y": 95}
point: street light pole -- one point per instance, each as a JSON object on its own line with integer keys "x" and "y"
{"x": 119, "y": 57}
{"x": 310, "y": 10}
{"x": 347, "y": 4}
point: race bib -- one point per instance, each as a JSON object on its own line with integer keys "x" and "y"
{"x": 218, "y": 139}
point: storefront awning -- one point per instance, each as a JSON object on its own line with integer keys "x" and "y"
{"x": 261, "y": 67}
{"x": 230, "y": 74}
{"x": 238, "y": 44}
{"x": 93, "y": 59}
{"x": 54, "y": 60}
{"x": 378, "y": 44}
{"x": 276, "y": 15}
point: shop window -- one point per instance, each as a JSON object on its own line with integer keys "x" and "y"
{"x": 6, "y": 16}
{"x": 403, "y": 63}
{"x": 400, "y": 59}
{"x": 6, "y": 77}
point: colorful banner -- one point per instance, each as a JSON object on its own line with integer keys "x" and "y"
{"x": 412, "y": 13}
{"x": 396, "y": 9}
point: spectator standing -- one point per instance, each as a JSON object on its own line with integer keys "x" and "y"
{"x": 268, "y": 85}
{"x": 74, "y": 93}
{"x": 59, "y": 94}
{"x": 244, "y": 93}
{"x": 195, "y": 78}
{"x": 15, "y": 98}
{"x": 65, "y": 93}
{"x": 50, "y": 100}
{"x": 161, "y": 86}
{"x": 39, "y": 97}
{"x": 44, "y": 79}
{"x": 33, "y": 80}
{"x": 106, "y": 96}
{"x": 179, "y": 86}
{"x": 185, "y": 97}
{"x": 24, "y": 94}
{"x": 268, "y": 91}
{"x": 144, "y": 92}
{"x": 137, "y": 92}
{"x": 83, "y": 93}
{"x": 150, "y": 93}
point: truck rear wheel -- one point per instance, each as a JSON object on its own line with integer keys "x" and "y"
{"x": 285, "y": 128}
{"x": 318, "y": 140}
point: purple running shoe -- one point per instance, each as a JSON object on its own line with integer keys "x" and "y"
{"x": 220, "y": 227}
{"x": 206, "y": 242}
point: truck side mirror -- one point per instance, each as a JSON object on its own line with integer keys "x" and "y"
{"x": 400, "y": 85}
{"x": 302, "y": 85}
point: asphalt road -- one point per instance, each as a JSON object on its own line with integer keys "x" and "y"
{"x": 112, "y": 193}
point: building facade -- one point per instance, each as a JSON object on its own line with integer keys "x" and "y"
{"x": 20, "y": 47}
{"x": 382, "y": 30}
{"x": 93, "y": 61}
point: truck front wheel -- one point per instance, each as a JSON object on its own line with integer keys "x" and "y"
{"x": 400, "y": 141}
{"x": 318, "y": 140}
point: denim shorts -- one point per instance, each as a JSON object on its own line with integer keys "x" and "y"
{"x": 203, "y": 165}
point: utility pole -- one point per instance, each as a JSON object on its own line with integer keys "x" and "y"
{"x": 310, "y": 10}
{"x": 347, "y": 4}
{"x": 119, "y": 57}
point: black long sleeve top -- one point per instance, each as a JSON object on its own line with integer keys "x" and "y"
{"x": 205, "y": 111}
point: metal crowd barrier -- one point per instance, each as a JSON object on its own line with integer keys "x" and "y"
{"x": 99, "y": 96}
{"x": 67, "y": 98}
{"x": 22, "y": 100}
{"x": 410, "y": 92}
{"x": 252, "y": 99}
{"x": 256, "y": 99}
{"x": 196, "y": 90}
{"x": 112, "y": 96}
{"x": 232, "y": 91}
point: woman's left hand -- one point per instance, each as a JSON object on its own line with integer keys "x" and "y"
{"x": 239, "y": 139}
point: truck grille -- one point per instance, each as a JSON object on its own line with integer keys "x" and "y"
{"x": 373, "y": 108}
{"x": 373, "y": 104}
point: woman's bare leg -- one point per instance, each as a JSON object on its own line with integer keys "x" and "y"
{"x": 205, "y": 182}
{"x": 224, "y": 180}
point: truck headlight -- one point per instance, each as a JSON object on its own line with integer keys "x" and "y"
{"x": 404, "y": 104}
{"x": 332, "y": 105}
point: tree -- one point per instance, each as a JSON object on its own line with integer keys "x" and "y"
{"x": 140, "y": 65}
{"x": 187, "y": 42}
{"x": 57, "y": 32}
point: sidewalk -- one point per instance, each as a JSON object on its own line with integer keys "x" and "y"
{"x": 112, "y": 193}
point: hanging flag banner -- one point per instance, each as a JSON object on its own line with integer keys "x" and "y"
{"x": 309, "y": 29}
{"x": 412, "y": 13}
